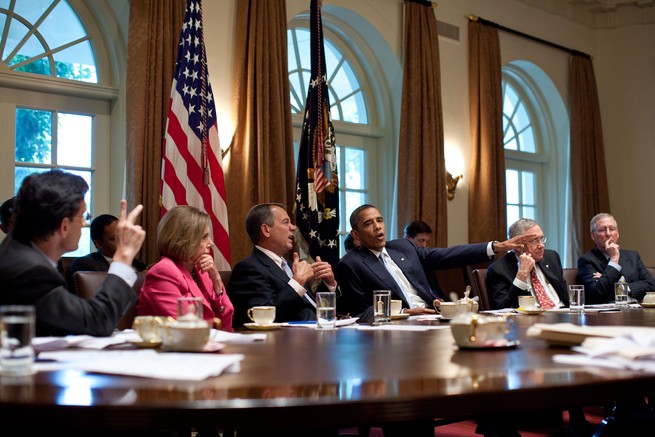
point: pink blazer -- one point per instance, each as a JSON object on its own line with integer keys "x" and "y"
{"x": 167, "y": 280}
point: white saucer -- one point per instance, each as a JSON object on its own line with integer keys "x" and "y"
{"x": 530, "y": 312}
{"x": 143, "y": 344}
{"x": 647, "y": 305}
{"x": 259, "y": 327}
{"x": 401, "y": 316}
{"x": 508, "y": 344}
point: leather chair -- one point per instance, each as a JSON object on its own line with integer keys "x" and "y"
{"x": 571, "y": 276}
{"x": 480, "y": 285}
{"x": 87, "y": 285}
{"x": 225, "y": 277}
{"x": 651, "y": 270}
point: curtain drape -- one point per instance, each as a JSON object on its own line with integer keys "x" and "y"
{"x": 589, "y": 191}
{"x": 154, "y": 30}
{"x": 421, "y": 168}
{"x": 261, "y": 163}
{"x": 487, "y": 197}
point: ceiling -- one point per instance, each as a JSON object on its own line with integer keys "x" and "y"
{"x": 600, "y": 14}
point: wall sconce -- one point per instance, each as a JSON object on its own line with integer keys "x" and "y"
{"x": 451, "y": 184}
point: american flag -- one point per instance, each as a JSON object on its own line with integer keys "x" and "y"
{"x": 317, "y": 184}
{"x": 191, "y": 160}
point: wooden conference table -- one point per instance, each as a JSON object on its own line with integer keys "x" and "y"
{"x": 305, "y": 378}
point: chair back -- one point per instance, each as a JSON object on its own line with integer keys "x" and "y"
{"x": 571, "y": 276}
{"x": 87, "y": 285}
{"x": 480, "y": 284}
{"x": 651, "y": 270}
{"x": 225, "y": 277}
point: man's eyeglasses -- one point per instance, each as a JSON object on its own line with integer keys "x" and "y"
{"x": 536, "y": 241}
{"x": 86, "y": 216}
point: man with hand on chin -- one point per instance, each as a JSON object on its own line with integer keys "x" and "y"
{"x": 608, "y": 264}
{"x": 529, "y": 270}
{"x": 266, "y": 278}
{"x": 399, "y": 265}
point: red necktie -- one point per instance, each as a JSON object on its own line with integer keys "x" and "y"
{"x": 539, "y": 291}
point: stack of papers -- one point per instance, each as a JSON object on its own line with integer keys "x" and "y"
{"x": 42, "y": 344}
{"x": 144, "y": 363}
{"x": 568, "y": 334}
{"x": 634, "y": 351}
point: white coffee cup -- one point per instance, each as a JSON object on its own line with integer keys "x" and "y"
{"x": 449, "y": 310}
{"x": 185, "y": 336}
{"x": 262, "y": 315}
{"x": 396, "y": 306}
{"x": 527, "y": 302}
{"x": 148, "y": 327}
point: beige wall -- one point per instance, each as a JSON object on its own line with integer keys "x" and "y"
{"x": 625, "y": 74}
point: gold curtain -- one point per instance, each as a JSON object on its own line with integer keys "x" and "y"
{"x": 261, "y": 162}
{"x": 589, "y": 192}
{"x": 154, "y": 30}
{"x": 421, "y": 168}
{"x": 487, "y": 197}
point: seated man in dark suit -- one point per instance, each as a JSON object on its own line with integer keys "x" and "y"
{"x": 607, "y": 264}
{"x": 266, "y": 278}
{"x": 399, "y": 265}
{"x": 529, "y": 270}
{"x": 49, "y": 217}
{"x": 103, "y": 235}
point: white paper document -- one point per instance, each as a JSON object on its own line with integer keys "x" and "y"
{"x": 148, "y": 363}
{"x": 632, "y": 350}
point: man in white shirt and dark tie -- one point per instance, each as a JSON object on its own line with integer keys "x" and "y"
{"x": 399, "y": 265}
{"x": 529, "y": 270}
{"x": 267, "y": 278}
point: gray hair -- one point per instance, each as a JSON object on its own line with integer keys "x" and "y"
{"x": 520, "y": 226}
{"x": 599, "y": 216}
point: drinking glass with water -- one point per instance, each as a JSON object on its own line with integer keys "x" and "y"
{"x": 621, "y": 292}
{"x": 17, "y": 325}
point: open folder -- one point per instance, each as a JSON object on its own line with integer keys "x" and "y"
{"x": 568, "y": 334}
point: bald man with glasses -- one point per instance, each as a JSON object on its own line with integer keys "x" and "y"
{"x": 608, "y": 264}
{"x": 532, "y": 270}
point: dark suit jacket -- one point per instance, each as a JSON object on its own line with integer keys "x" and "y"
{"x": 27, "y": 278}
{"x": 602, "y": 290}
{"x": 360, "y": 272}
{"x": 500, "y": 279}
{"x": 94, "y": 262}
{"x": 257, "y": 280}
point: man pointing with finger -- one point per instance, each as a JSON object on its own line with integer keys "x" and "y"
{"x": 608, "y": 264}
{"x": 50, "y": 213}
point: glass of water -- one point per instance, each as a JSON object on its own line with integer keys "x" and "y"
{"x": 621, "y": 291}
{"x": 381, "y": 307}
{"x": 17, "y": 325}
{"x": 576, "y": 298}
{"x": 326, "y": 310}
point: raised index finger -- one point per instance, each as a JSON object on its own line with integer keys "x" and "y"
{"x": 134, "y": 214}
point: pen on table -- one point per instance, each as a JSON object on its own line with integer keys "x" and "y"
{"x": 302, "y": 322}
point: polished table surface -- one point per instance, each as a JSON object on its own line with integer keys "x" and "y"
{"x": 301, "y": 377}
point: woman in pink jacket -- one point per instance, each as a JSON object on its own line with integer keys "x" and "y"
{"x": 186, "y": 269}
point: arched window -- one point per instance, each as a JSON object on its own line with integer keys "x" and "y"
{"x": 58, "y": 115}
{"x": 354, "y": 109}
{"x": 46, "y": 37}
{"x": 535, "y": 137}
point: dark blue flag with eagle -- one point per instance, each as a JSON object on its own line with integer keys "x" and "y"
{"x": 317, "y": 182}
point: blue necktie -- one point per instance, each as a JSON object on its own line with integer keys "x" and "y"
{"x": 289, "y": 273}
